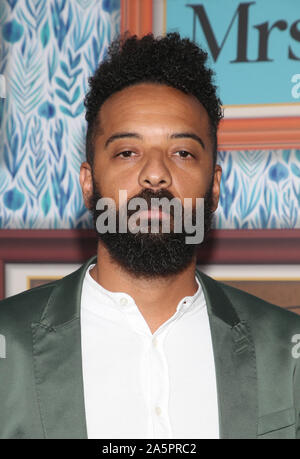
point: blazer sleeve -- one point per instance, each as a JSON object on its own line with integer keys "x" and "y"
{"x": 297, "y": 397}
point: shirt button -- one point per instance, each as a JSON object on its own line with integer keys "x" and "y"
{"x": 123, "y": 301}
{"x": 154, "y": 342}
{"x": 158, "y": 410}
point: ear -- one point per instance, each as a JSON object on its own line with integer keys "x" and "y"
{"x": 86, "y": 183}
{"x": 216, "y": 187}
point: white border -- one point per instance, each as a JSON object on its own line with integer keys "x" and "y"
{"x": 252, "y": 272}
{"x": 261, "y": 111}
{"x": 16, "y": 273}
{"x": 158, "y": 26}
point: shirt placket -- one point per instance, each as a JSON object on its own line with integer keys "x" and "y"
{"x": 160, "y": 388}
{"x": 154, "y": 367}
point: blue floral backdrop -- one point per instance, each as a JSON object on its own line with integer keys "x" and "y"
{"x": 259, "y": 189}
{"x": 48, "y": 49}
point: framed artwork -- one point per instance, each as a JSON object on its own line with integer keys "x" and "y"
{"x": 252, "y": 46}
{"x": 23, "y": 276}
{"x": 277, "y": 284}
{"x": 36, "y": 256}
{"x": 241, "y": 48}
{"x": 254, "y": 260}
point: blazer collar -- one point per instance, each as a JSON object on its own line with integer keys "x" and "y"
{"x": 58, "y": 361}
{"x": 235, "y": 363}
{"x": 68, "y": 293}
{"x": 64, "y": 302}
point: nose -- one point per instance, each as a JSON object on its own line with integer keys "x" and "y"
{"x": 155, "y": 174}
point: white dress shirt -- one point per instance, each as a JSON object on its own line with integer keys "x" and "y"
{"x": 143, "y": 385}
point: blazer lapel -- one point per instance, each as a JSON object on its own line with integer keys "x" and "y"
{"x": 58, "y": 360}
{"x": 235, "y": 364}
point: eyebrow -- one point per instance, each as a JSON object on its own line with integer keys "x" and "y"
{"x": 178, "y": 135}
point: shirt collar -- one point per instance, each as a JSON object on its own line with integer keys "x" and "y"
{"x": 121, "y": 299}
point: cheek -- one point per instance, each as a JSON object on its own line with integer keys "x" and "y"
{"x": 111, "y": 182}
{"x": 192, "y": 185}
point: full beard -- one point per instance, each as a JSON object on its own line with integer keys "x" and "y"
{"x": 152, "y": 255}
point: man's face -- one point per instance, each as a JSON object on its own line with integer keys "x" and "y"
{"x": 165, "y": 151}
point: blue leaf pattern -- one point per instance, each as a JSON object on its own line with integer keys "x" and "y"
{"x": 45, "y": 34}
{"x": 43, "y": 44}
{"x": 259, "y": 189}
{"x": 48, "y": 49}
{"x": 12, "y": 31}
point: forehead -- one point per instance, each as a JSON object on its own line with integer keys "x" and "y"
{"x": 151, "y": 105}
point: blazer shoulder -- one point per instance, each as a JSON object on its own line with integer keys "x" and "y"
{"x": 251, "y": 307}
{"x": 59, "y": 298}
{"x": 27, "y": 306}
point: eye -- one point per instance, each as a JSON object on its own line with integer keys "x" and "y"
{"x": 184, "y": 153}
{"x": 126, "y": 153}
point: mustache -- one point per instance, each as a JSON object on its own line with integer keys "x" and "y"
{"x": 147, "y": 195}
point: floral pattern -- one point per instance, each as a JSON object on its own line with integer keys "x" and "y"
{"x": 48, "y": 49}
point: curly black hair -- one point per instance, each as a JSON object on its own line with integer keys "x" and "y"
{"x": 169, "y": 60}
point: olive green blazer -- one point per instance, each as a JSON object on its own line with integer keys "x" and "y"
{"x": 41, "y": 382}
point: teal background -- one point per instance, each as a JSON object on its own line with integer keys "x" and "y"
{"x": 245, "y": 83}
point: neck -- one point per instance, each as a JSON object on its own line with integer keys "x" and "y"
{"x": 166, "y": 292}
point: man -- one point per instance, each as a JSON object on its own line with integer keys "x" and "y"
{"x": 138, "y": 343}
